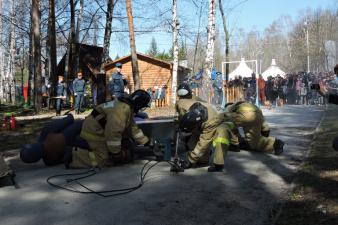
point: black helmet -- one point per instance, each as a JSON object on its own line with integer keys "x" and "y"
{"x": 140, "y": 99}
{"x": 184, "y": 91}
{"x": 196, "y": 115}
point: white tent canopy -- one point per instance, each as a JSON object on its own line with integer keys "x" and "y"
{"x": 273, "y": 70}
{"x": 242, "y": 70}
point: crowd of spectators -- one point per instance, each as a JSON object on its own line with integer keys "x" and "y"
{"x": 291, "y": 88}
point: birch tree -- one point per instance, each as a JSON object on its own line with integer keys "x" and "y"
{"x": 134, "y": 63}
{"x": 175, "y": 51}
{"x": 1, "y": 56}
{"x": 77, "y": 37}
{"x": 11, "y": 61}
{"x": 209, "y": 61}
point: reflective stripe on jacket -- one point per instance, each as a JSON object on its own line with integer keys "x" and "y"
{"x": 120, "y": 122}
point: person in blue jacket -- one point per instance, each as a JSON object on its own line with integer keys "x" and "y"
{"x": 79, "y": 87}
{"x": 117, "y": 82}
{"x": 61, "y": 94}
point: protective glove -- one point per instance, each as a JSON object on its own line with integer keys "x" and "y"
{"x": 124, "y": 156}
{"x": 186, "y": 164}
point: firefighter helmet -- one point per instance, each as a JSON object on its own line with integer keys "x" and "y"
{"x": 140, "y": 100}
{"x": 184, "y": 91}
{"x": 194, "y": 118}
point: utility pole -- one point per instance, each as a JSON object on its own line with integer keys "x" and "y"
{"x": 307, "y": 45}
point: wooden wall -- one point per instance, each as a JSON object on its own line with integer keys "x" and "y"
{"x": 152, "y": 73}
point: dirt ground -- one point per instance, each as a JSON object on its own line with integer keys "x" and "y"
{"x": 314, "y": 200}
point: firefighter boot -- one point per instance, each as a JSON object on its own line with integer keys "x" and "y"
{"x": 278, "y": 147}
{"x": 215, "y": 168}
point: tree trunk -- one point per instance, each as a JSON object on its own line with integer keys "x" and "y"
{"x": 23, "y": 67}
{"x": 71, "y": 48}
{"x": 96, "y": 28}
{"x": 175, "y": 52}
{"x": 77, "y": 37}
{"x": 11, "y": 64}
{"x": 107, "y": 32}
{"x": 134, "y": 62}
{"x": 52, "y": 46}
{"x": 226, "y": 34}
{"x": 37, "y": 55}
{"x": 209, "y": 61}
{"x": 197, "y": 39}
{"x": 31, "y": 64}
{"x": 1, "y": 57}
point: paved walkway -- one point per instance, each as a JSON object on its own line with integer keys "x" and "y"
{"x": 245, "y": 193}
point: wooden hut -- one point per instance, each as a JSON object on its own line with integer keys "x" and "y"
{"x": 153, "y": 72}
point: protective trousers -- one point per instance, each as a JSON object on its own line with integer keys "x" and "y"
{"x": 214, "y": 154}
{"x": 251, "y": 122}
{"x": 97, "y": 156}
{"x": 220, "y": 145}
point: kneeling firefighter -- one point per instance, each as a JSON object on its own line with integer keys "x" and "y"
{"x": 104, "y": 129}
{"x": 187, "y": 99}
{"x": 202, "y": 131}
{"x": 250, "y": 118}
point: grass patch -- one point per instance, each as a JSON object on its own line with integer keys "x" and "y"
{"x": 314, "y": 200}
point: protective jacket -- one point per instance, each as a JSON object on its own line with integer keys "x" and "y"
{"x": 104, "y": 129}
{"x": 249, "y": 117}
{"x": 213, "y": 132}
{"x": 79, "y": 85}
{"x": 116, "y": 85}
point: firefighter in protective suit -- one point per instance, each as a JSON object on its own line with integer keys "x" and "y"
{"x": 256, "y": 131}
{"x": 104, "y": 129}
{"x": 203, "y": 130}
{"x": 187, "y": 99}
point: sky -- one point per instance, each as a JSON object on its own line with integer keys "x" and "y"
{"x": 248, "y": 15}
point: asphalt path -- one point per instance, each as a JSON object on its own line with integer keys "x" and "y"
{"x": 250, "y": 187}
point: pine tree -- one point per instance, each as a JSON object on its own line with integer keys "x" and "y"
{"x": 164, "y": 56}
{"x": 153, "y": 50}
{"x": 182, "y": 52}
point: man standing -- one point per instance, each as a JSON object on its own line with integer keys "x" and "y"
{"x": 261, "y": 89}
{"x": 117, "y": 82}
{"x": 79, "y": 86}
{"x": 217, "y": 85}
{"x": 61, "y": 93}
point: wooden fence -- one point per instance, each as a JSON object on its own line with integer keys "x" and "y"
{"x": 232, "y": 94}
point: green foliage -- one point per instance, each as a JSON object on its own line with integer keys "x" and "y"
{"x": 153, "y": 50}
{"x": 182, "y": 51}
{"x": 117, "y": 57}
{"x": 163, "y": 56}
